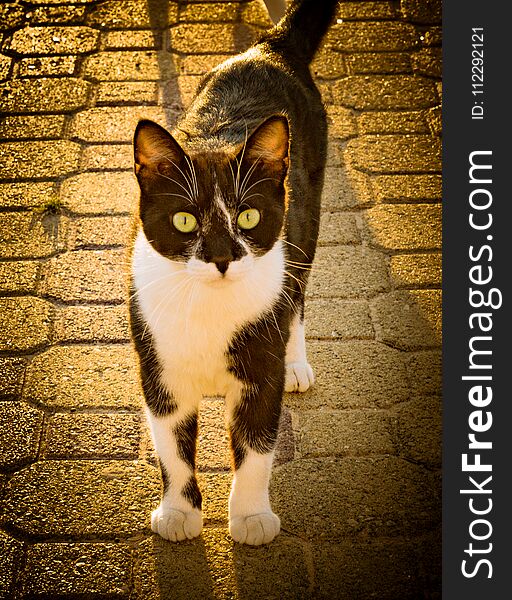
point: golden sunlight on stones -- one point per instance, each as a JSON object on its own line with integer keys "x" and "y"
{"x": 71, "y": 498}
{"x": 84, "y": 377}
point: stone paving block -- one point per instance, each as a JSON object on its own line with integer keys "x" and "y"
{"x": 43, "y": 66}
{"x": 435, "y": 121}
{"x": 328, "y": 64}
{"x": 5, "y": 66}
{"x": 66, "y": 377}
{"x": 106, "y": 157}
{"x": 334, "y": 318}
{"x": 100, "y": 193}
{"x": 392, "y": 122}
{"x": 215, "y": 489}
{"x": 117, "y": 124}
{"x": 424, "y": 372}
{"x": 342, "y": 570}
{"x": 433, "y": 36}
{"x": 195, "y": 38}
{"x": 384, "y": 92}
{"x": 213, "y": 566}
{"x": 136, "y": 40}
{"x": 414, "y": 270}
{"x": 139, "y": 65}
{"x": 179, "y": 91}
{"x": 79, "y": 498}
{"x": 404, "y": 226}
{"x": 334, "y": 152}
{"x": 353, "y": 374}
{"x": 53, "y": 40}
{"x": 356, "y": 497}
{"x": 417, "y": 431}
{"x": 338, "y": 228}
{"x": 185, "y": 570}
{"x": 100, "y": 232}
{"x": 19, "y": 276}
{"x": 130, "y": 14}
{"x": 345, "y": 187}
{"x": 44, "y": 2}
{"x": 43, "y": 127}
{"x": 32, "y": 160}
{"x": 63, "y": 569}
{"x": 200, "y": 64}
{"x": 12, "y": 371}
{"x": 360, "y": 11}
{"x": 51, "y": 15}
{"x": 224, "y": 12}
{"x": 25, "y": 324}
{"x": 378, "y": 36}
{"x": 390, "y": 63}
{"x": 127, "y": 92}
{"x": 12, "y": 15}
{"x": 87, "y": 276}
{"x": 27, "y": 195}
{"x": 11, "y": 556}
{"x": 112, "y": 436}
{"x": 341, "y": 122}
{"x": 399, "y": 188}
{"x": 212, "y": 444}
{"x": 92, "y": 324}
{"x": 20, "y": 434}
{"x": 428, "y": 61}
{"x": 27, "y": 235}
{"x": 421, "y": 11}
{"x": 395, "y": 154}
{"x": 347, "y": 272}
{"x": 285, "y": 567}
{"x": 408, "y": 319}
{"x": 342, "y": 433}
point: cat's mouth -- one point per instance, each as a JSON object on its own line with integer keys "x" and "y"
{"x": 210, "y": 274}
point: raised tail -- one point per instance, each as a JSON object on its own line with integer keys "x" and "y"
{"x": 300, "y": 32}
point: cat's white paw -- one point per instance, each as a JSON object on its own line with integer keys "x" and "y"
{"x": 176, "y": 525}
{"x": 255, "y": 529}
{"x": 299, "y": 377}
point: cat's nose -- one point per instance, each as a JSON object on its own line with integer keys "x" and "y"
{"x": 222, "y": 263}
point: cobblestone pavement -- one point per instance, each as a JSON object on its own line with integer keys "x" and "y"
{"x": 357, "y": 475}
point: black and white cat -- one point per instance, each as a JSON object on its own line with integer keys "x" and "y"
{"x": 227, "y": 229}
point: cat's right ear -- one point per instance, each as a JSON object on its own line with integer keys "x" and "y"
{"x": 154, "y": 147}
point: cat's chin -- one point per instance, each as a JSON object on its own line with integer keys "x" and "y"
{"x": 221, "y": 282}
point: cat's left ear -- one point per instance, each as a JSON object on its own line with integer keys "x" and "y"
{"x": 154, "y": 145}
{"x": 269, "y": 144}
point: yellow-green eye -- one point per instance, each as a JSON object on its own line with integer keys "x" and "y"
{"x": 184, "y": 222}
{"x": 248, "y": 219}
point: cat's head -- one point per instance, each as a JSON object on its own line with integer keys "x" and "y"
{"x": 216, "y": 212}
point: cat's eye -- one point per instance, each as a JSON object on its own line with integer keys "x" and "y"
{"x": 184, "y": 222}
{"x": 248, "y": 219}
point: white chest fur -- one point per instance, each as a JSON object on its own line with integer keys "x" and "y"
{"x": 192, "y": 317}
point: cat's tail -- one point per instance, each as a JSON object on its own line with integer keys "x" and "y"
{"x": 300, "y": 31}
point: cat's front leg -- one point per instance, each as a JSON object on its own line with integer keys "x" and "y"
{"x": 178, "y": 516}
{"x": 299, "y": 373}
{"x": 253, "y": 417}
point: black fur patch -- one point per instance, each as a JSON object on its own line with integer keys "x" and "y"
{"x": 256, "y": 356}
{"x": 186, "y": 438}
{"x": 158, "y": 400}
{"x": 192, "y": 493}
{"x": 166, "y": 480}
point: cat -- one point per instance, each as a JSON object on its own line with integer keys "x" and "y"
{"x": 227, "y": 228}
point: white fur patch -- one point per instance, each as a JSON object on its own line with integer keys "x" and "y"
{"x": 192, "y": 312}
{"x": 251, "y": 520}
{"x": 299, "y": 374}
